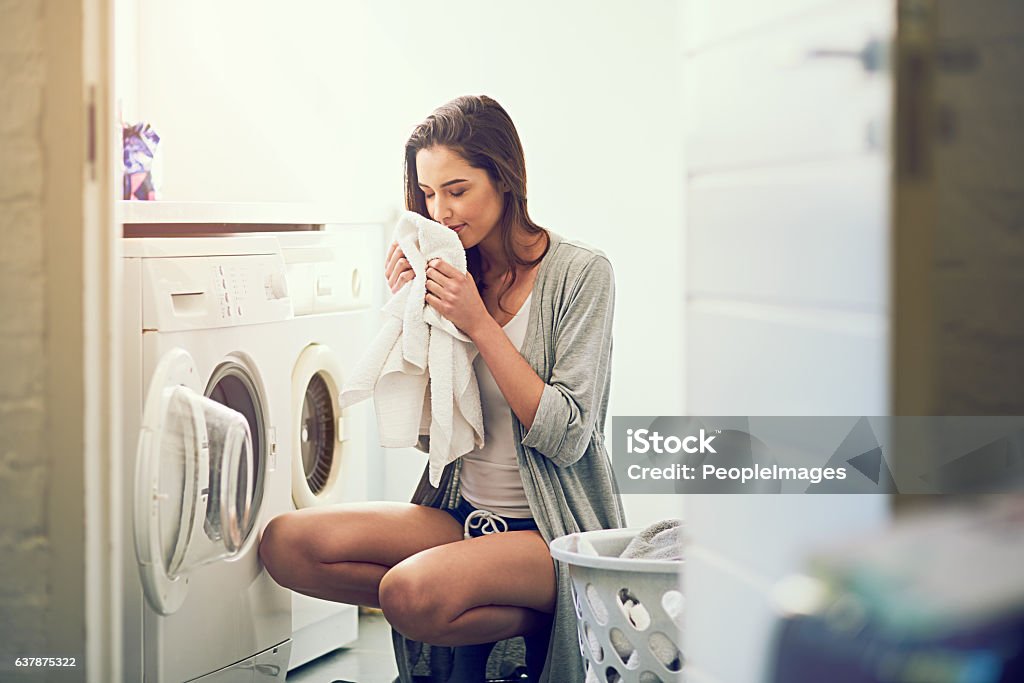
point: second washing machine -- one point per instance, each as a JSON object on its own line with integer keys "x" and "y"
{"x": 334, "y": 279}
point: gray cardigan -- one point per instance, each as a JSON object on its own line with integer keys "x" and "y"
{"x": 567, "y": 475}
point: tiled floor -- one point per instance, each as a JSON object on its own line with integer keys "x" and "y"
{"x": 369, "y": 659}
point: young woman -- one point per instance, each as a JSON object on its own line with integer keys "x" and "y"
{"x": 539, "y": 309}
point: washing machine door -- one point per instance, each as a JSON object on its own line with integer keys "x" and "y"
{"x": 182, "y": 481}
{"x": 319, "y": 437}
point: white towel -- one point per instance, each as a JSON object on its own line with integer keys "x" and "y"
{"x": 416, "y": 350}
{"x": 660, "y": 541}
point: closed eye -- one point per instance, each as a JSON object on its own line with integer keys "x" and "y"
{"x": 454, "y": 194}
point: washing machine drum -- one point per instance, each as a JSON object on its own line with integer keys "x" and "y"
{"x": 316, "y": 434}
{"x": 319, "y": 444}
{"x": 194, "y": 487}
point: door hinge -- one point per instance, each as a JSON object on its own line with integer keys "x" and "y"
{"x": 90, "y": 133}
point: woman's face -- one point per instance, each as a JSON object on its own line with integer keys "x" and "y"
{"x": 461, "y": 197}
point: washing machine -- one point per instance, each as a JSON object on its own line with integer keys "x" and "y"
{"x": 334, "y": 280}
{"x": 208, "y": 416}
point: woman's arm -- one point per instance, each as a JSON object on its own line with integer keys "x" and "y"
{"x": 577, "y": 391}
{"x": 455, "y": 296}
{"x": 560, "y": 416}
{"x": 520, "y": 385}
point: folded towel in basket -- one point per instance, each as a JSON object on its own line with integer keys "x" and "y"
{"x": 660, "y": 541}
{"x": 418, "y": 351}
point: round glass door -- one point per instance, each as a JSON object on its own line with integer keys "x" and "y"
{"x": 194, "y": 469}
{"x": 232, "y": 386}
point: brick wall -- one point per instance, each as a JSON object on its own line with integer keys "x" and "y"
{"x": 24, "y": 543}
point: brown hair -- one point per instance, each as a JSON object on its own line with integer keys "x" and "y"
{"x": 480, "y": 131}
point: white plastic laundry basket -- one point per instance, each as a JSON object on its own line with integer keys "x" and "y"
{"x": 629, "y": 612}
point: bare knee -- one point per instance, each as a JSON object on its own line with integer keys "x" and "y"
{"x": 411, "y": 605}
{"x": 280, "y": 546}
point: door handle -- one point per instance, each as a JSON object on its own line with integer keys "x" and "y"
{"x": 873, "y": 57}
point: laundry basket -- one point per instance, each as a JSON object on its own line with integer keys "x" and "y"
{"x": 629, "y": 612}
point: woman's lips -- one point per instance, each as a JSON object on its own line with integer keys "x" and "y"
{"x": 457, "y": 228}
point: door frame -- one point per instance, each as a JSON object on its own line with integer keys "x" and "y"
{"x": 83, "y": 304}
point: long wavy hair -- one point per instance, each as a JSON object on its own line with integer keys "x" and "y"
{"x": 480, "y": 131}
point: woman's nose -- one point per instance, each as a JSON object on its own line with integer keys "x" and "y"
{"x": 441, "y": 209}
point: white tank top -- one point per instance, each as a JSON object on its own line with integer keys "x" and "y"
{"x": 490, "y": 478}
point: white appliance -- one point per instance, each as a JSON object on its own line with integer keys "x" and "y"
{"x": 334, "y": 280}
{"x": 203, "y": 317}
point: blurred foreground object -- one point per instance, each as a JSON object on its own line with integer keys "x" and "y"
{"x": 140, "y": 142}
{"x": 937, "y": 599}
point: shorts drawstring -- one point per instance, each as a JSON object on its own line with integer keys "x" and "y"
{"x": 485, "y": 521}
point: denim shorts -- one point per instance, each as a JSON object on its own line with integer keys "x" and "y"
{"x": 476, "y": 523}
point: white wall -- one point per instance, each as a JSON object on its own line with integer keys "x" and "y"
{"x": 313, "y": 101}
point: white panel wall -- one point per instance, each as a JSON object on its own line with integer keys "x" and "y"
{"x": 799, "y": 236}
{"x": 707, "y": 23}
{"x": 751, "y": 359}
{"x": 787, "y": 287}
{"x": 787, "y": 93}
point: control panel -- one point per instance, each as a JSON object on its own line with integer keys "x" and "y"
{"x": 332, "y": 271}
{"x": 217, "y": 291}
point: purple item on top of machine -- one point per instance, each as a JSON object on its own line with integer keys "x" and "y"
{"x": 139, "y": 142}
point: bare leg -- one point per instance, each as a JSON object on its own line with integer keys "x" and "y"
{"x": 411, "y": 561}
{"x": 342, "y": 552}
{"x": 474, "y": 591}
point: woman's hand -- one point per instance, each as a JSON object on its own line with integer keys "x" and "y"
{"x": 455, "y": 296}
{"x": 397, "y": 269}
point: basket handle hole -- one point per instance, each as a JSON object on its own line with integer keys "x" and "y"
{"x": 597, "y": 605}
{"x": 596, "y": 651}
{"x": 634, "y": 611}
{"x": 672, "y": 602}
{"x": 665, "y": 651}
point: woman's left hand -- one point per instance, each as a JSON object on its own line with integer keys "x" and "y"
{"x": 455, "y": 296}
